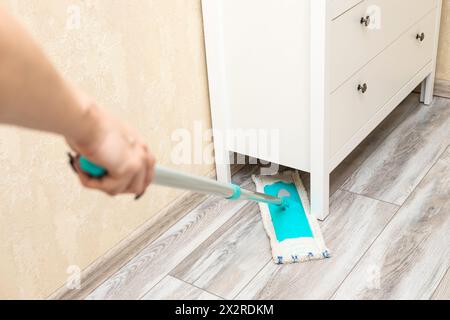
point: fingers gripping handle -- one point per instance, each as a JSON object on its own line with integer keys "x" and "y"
{"x": 92, "y": 170}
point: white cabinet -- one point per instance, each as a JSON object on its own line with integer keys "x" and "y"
{"x": 302, "y": 82}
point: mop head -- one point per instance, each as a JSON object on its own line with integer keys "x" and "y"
{"x": 294, "y": 233}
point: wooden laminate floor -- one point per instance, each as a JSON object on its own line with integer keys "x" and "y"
{"x": 389, "y": 230}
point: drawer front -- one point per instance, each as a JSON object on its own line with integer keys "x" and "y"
{"x": 354, "y": 44}
{"x": 381, "y": 79}
{"x": 338, "y": 7}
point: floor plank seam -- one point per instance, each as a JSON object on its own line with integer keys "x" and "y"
{"x": 371, "y": 198}
{"x": 426, "y": 174}
{"x": 211, "y": 234}
{"x": 195, "y": 286}
{"x": 208, "y": 239}
{"x": 156, "y": 219}
{"x": 390, "y": 220}
{"x": 148, "y": 244}
{"x": 412, "y": 191}
{"x": 157, "y": 239}
{"x": 403, "y": 118}
{"x": 169, "y": 272}
{"x": 163, "y": 278}
{"x": 390, "y": 132}
{"x": 210, "y": 174}
{"x": 253, "y": 278}
{"x": 365, "y": 252}
{"x": 448, "y": 268}
{"x": 440, "y": 283}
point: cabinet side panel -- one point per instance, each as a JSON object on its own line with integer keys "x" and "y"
{"x": 266, "y": 45}
{"x": 214, "y": 43}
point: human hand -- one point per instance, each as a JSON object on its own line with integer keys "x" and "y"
{"x": 117, "y": 148}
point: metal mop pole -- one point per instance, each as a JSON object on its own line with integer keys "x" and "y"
{"x": 179, "y": 180}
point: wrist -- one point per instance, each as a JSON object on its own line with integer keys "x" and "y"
{"x": 90, "y": 128}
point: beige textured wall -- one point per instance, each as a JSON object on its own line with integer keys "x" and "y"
{"x": 443, "y": 68}
{"x": 143, "y": 60}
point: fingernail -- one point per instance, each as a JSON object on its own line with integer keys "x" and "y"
{"x": 138, "y": 197}
{"x": 72, "y": 162}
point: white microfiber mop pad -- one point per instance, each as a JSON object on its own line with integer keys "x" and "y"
{"x": 300, "y": 249}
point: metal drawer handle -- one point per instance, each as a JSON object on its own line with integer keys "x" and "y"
{"x": 365, "y": 21}
{"x": 362, "y": 88}
{"x": 420, "y": 36}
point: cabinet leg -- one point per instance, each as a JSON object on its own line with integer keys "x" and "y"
{"x": 427, "y": 91}
{"x": 223, "y": 168}
{"x": 320, "y": 194}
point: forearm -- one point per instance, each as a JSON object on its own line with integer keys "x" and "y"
{"x": 32, "y": 92}
{"x": 34, "y": 95}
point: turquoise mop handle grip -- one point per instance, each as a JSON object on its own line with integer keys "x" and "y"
{"x": 92, "y": 169}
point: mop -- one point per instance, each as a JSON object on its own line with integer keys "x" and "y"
{"x": 294, "y": 234}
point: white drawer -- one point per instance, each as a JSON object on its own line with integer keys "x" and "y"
{"x": 339, "y": 7}
{"x": 385, "y": 76}
{"x": 353, "y": 44}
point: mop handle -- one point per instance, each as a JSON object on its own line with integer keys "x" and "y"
{"x": 179, "y": 180}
